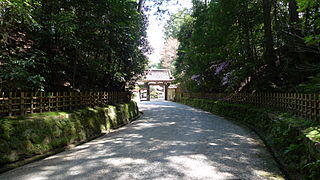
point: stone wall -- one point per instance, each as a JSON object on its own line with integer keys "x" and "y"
{"x": 39, "y": 134}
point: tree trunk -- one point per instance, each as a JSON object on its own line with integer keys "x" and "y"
{"x": 254, "y": 46}
{"x": 248, "y": 37}
{"x": 306, "y": 23}
{"x": 246, "y": 30}
{"x": 316, "y": 18}
{"x": 297, "y": 44}
{"x": 74, "y": 69}
{"x": 269, "y": 55}
{"x": 293, "y": 11}
{"x": 140, "y": 5}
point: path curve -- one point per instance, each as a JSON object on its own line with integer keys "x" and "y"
{"x": 170, "y": 141}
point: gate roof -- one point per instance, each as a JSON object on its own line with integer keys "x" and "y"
{"x": 157, "y": 75}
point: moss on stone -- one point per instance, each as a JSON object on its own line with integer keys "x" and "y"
{"x": 23, "y": 137}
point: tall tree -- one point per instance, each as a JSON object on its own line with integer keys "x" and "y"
{"x": 293, "y": 11}
{"x": 71, "y": 45}
{"x": 169, "y": 53}
{"x": 232, "y": 46}
{"x": 269, "y": 54}
{"x": 140, "y": 5}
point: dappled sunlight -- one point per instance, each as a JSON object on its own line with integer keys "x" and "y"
{"x": 76, "y": 170}
{"x": 165, "y": 143}
{"x": 126, "y": 161}
{"x": 197, "y": 165}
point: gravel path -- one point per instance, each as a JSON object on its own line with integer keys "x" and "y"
{"x": 170, "y": 141}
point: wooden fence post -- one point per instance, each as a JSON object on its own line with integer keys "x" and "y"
{"x": 63, "y": 100}
{"x": 31, "y": 102}
{"x": 57, "y": 101}
{"x": 22, "y": 104}
{"x": 301, "y": 104}
{"x": 104, "y": 98}
{"x": 309, "y": 108}
{"x": 9, "y": 103}
{"x": 99, "y": 99}
{"x": 70, "y": 104}
{"x": 107, "y": 98}
{"x": 49, "y": 101}
{"x": 40, "y": 102}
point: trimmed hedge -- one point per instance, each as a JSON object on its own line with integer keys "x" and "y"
{"x": 294, "y": 141}
{"x": 24, "y": 137}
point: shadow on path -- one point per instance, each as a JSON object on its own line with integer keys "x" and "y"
{"x": 170, "y": 141}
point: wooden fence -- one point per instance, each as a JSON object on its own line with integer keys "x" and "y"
{"x": 22, "y": 103}
{"x": 304, "y": 105}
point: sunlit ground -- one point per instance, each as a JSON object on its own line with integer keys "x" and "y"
{"x": 170, "y": 141}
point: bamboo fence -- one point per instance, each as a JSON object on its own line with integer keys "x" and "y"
{"x": 304, "y": 105}
{"x": 22, "y": 103}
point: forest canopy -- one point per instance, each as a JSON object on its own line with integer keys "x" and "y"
{"x": 78, "y": 45}
{"x": 224, "y": 45}
{"x": 247, "y": 46}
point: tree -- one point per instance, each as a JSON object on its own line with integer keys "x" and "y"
{"x": 173, "y": 25}
{"x": 293, "y": 11}
{"x": 232, "y": 46}
{"x": 269, "y": 55}
{"x": 71, "y": 45}
{"x": 169, "y": 53}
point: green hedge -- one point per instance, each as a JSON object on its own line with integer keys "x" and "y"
{"x": 24, "y": 137}
{"x": 294, "y": 141}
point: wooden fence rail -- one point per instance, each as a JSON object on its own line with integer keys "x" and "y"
{"x": 305, "y": 105}
{"x": 22, "y": 103}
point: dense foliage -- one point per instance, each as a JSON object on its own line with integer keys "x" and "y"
{"x": 70, "y": 45}
{"x": 252, "y": 45}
